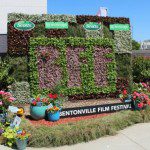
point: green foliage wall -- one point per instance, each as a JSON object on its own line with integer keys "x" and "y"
{"x": 18, "y": 41}
{"x": 20, "y": 47}
{"x": 123, "y": 41}
{"x": 124, "y": 70}
{"x": 87, "y": 69}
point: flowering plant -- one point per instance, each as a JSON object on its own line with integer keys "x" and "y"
{"x": 56, "y": 99}
{"x": 22, "y": 135}
{"x": 10, "y": 135}
{"x": 6, "y": 99}
{"x": 53, "y": 109}
{"x": 140, "y": 100}
{"x": 124, "y": 95}
{"x": 42, "y": 101}
{"x": 141, "y": 87}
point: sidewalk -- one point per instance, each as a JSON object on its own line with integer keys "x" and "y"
{"x": 136, "y": 137}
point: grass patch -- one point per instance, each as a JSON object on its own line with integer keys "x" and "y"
{"x": 84, "y": 131}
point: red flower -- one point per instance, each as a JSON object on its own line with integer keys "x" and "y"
{"x": 38, "y": 99}
{"x": 134, "y": 97}
{"x": 34, "y": 103}
{"x": 50, "y": 95}
{"x": 55, "y": 96}
{"x": 140, "y": 105}
{"x": 148, "y": 103}
{"x": 124, "y": 92}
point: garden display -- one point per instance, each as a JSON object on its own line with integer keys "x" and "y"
{"x": 56, "y": 102}
{"x": 38, "y": 107}
{"x": 70, "y": 70}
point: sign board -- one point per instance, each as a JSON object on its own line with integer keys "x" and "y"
{"x": 13, "y": 109}
{"x": 16, "y": 121}
{"x": 93, "y": 26}
{"x": 24, "y": 25}
{"x": 120, "y": 27}
{"x": 92, "y": 110}
{"x": 56, "y": 25}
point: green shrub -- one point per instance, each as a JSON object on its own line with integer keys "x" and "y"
{"x": 6, "y": 70}
{"x": 85, "y": 130}
{"x": 141, "y": 68}
{"x": 21, "y": 91}
{"x": 135, "y": 45}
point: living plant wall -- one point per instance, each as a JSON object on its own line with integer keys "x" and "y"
{"x": 18, "y": 43}
{"x": 83, "y": 66}
{"x": 19, "y": 40}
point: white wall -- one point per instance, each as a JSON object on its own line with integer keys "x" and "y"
{"x": 20, "y": 6}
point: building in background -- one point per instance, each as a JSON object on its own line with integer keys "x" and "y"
{"x": 17, "y": 6}
{"x": 145, "y": 45}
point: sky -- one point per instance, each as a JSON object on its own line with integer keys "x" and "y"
{"x": 137, "y": 10}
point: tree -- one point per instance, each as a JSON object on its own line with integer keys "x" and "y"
{"x": 135, "y": 45}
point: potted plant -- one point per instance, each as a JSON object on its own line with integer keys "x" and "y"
{"x": 22, "y": 139}
{"x": 38, "y": 107}
{"x": 9, "y": 135}
{"x": 140, "y": 100}
{"x": 6, "y": 99}
{"x": 53, "y": 113}
{"x": 125, "y": 97}
{"x": 56, "y": 103}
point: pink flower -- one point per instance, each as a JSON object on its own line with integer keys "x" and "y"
{"x": 1, "y": 103}
{"x": 134, "y": 97}
{"x": 136, "y": 94}
{"x": 2, "y": 92}
{"x": 144, "y": 84}
{"x": 11, "y": 99}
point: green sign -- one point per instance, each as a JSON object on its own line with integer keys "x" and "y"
{"x": 24, "y": 25}
{"x": 56, "y": 25}
{"x": 92, "y": 26}
{"x": 120, "y": 27}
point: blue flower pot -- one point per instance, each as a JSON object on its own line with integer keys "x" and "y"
{"x": 38, "y": 112}
{"x": 21, "y": 144}
{"x": 53, "y": 116}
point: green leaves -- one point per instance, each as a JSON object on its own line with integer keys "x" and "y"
{"x": 86, "y": 61}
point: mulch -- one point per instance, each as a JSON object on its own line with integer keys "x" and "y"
{"x": 71, "y": 104}
{"x": 65, "y": 120}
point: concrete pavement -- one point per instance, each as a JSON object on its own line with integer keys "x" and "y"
{"x": 136, "y": 137}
